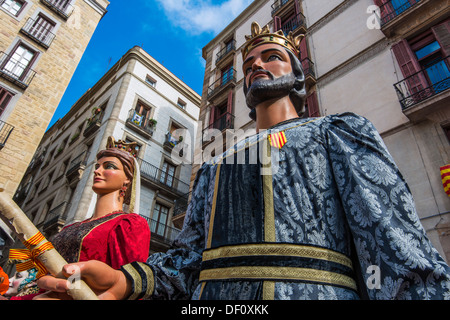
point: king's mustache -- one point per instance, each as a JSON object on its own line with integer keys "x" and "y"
{"x": 260, "y": 71}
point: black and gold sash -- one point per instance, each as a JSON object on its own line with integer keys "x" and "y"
{"x": 278, "y": 262}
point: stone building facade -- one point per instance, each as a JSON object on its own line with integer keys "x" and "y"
{"x": 41, "y": 44}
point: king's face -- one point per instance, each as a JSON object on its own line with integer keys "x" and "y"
{"x": 267, "y": 57}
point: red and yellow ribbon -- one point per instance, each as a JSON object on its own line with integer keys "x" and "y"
{"x": 30, "y": 257}
{"x": 277, "y": 139}
{"x": 445, "y": 174}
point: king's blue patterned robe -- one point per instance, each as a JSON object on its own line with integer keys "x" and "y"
{"x": 326, "y": 216}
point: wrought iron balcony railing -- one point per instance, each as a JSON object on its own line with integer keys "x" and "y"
{"x": 140, "y": 122}
{"x": 295, "y": 22}
{"x": 228, "y": 48}
{"x": 424, "y": 84}
{"x": 167, "y": 233}
{"x": 181, "y": 204}
{"x": 226, "y": 121}
{"x": 15, "y": 71}
{"x": 228, "y": 77}
{"x": 163, "y": 178}
{"x": 308, "y": 67}
{"x": 39, "y": 31}
{"x": 393, "y": 8}
{"x": 57, "y": 214}
{"x": 61, "y": 7}
{"x": 5, "y": 132}
{"x": 277, "y": 5}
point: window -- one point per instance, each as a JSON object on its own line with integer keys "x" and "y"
{"x": 167, "y": 174}
{"x": 227, "y": 74}
{"x": 424, "y": 63}
{"x": 13, "y": 6}
{"x": 39, "y": 29}
{"x": 141, "y": 115}
{"x": 19, "y": 62}
{"x": 150, "y": 81}
{"x": 160, "y": 215}
{"x": 5, "y": 98}
{"x": 181, "y": 104}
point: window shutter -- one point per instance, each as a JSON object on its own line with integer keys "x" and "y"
{"x": 409, "y": 66}
{"x": 276, "y": 23}
{"x": 211, "y": 116}
{"x": 297, "y": 7}
{"x": 313, "y": 105}
{"x": 442, "y": 34}
{"x": 229, "y": 109}
{"x": 304, "y": 53}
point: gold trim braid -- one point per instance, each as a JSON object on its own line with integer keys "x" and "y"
{"x": 274, "y": 273}
{"x": 277, "y": 249}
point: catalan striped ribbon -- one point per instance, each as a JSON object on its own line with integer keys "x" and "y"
{"x": 445, "y": 174}
{"x": 30, "y": 256}
{"x": 277, "y": 139}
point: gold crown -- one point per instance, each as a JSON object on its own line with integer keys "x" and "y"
{"x": 131, "y": 147}
{"x": 263, "y": 36}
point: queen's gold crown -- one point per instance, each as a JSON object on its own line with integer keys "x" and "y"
{"x": 263, "y": 36}
{"x": 131, "y": 147}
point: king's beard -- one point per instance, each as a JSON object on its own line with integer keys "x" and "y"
{"x": 262, "y": 90}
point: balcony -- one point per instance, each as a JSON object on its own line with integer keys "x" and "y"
{"x": 56, "y": 218}
{"x": 277, "y": 5}
{"x": 142, "y": 124}
{"x": 76, "y": 168}
{"x": 226, "y": 121}
{"x": 162, "y": 235}
{"x": 394, "y": 8}
{"x": 14, "y": 71}
{"x": 93, "y": 123}
{"x": 226, "y": 52}
{"x": 310, "y": 74}
{"x": 170, "y": 142}
{"x": 5, "y": 132}
{"x": 61, "y": 7}
{"x": 162, "y": 180}
{"x": 227, "y": 80}
{"x": 179, "y": 211}
{"x": 425, "y": 88}
{"x": 296, "y": 24}
{"x": 38, "y": 31}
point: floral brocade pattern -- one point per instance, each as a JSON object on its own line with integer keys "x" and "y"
{"x": 337, "y": 187}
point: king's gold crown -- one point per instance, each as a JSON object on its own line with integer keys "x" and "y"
{"x": 263, "y": 36}
{"x": 131, "y": 147}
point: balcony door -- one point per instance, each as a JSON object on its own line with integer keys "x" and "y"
{"x": 167, "y": 174}
{"x": 41, "y": 28}
{"x": 160, "y": 215}
{"x": 19, "y": 61}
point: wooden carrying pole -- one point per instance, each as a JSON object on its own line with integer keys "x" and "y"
{"x": 19, "y": 223}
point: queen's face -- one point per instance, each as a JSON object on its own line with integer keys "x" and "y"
{"x": 109, "y": 175}
{"x": 270, "y": 57}
{"x": 15, "y": 282}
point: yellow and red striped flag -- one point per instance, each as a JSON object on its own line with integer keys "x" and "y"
{"x": 445, "y": 174}
{"x": 277, "y": 139}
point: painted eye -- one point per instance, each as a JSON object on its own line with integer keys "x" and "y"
{"x": 274, "y": 57}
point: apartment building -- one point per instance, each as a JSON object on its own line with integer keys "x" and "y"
{"x": 387, "y": 60}
{"x": 41, "y": 44}
{"x": 137, "y": 100}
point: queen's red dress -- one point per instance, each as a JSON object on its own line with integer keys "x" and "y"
{"x": 115, "y": 239}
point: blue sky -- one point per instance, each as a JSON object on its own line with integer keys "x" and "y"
{"x": 171, "y": 31}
